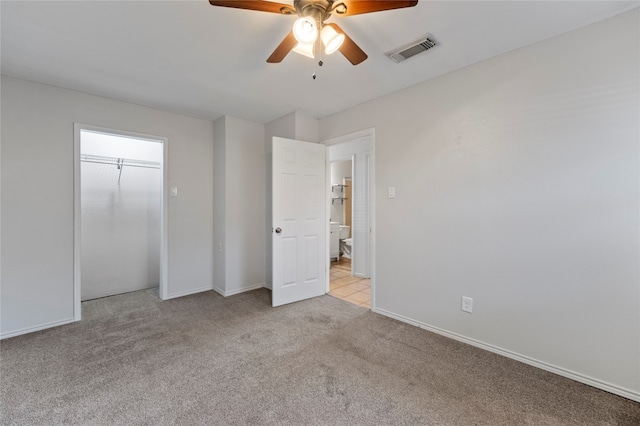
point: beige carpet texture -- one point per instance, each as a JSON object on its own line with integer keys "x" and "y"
{"x": 208, "y": 360}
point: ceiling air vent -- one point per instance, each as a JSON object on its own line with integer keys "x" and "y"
{"x": 407, "y": 51}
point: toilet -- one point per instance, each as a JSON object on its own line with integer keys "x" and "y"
{"x": 345, "y": 241}
{"x": 345, "y": 246}
{"x": 344, "y": 232}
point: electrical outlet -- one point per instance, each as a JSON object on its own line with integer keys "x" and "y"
{"x": 467, "y": 304}
{"x": 220, "y": 247}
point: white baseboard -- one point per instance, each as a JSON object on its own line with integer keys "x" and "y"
{"x": 218, "y": 290}
{"x": 238, "y": 290}
{"x": 591, "y": 381}
{"x": 36, "y": 328}
{"x": 190, "y": 291}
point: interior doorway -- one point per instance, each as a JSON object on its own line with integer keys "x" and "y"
{"x": 120, "y": 220}
{"x": 350, "y": 188}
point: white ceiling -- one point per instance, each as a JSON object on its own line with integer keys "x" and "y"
{"x": 199, "y": 60}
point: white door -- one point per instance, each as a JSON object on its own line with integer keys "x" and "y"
{"x": 299, "y": 221}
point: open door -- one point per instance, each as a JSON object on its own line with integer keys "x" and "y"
{"x": 299, "y": 221}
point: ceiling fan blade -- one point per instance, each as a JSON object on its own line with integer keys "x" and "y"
{"x": 260, "y": 6}
{"x": 349, "y": 48}
{"x": 283, "y": 49}
{"x": 358, "y": 7}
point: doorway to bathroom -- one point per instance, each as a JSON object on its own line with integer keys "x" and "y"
{"x": 119, "y": 243}
{"x": 350, "y": 182}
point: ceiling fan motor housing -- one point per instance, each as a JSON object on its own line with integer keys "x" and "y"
{"x": 320, "y": 10}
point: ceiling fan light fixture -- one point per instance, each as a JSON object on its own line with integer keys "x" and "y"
{"x": 331, "y": 39}
{"x": 305, "y": 49}
{"x": 305, "y": 30}
{"x": 312, "y": 16}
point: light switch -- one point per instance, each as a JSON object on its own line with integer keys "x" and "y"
{"x": 391, "y": 192}
{"x": 174, "y": 192}
{"x": 467, "y": 304}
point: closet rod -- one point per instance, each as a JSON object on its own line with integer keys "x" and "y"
{"x": 121, "y": 164}
{"x": 87, "y": 158}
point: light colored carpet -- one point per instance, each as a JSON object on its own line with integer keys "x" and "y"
{"x": 205, "y": 359}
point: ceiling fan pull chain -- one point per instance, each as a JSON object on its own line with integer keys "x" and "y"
{"x": 318, "y": 48}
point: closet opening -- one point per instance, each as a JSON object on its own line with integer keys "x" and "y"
{"x": 120, "y": 220}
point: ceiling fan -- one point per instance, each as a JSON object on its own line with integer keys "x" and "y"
{"x": 310, "y": 31}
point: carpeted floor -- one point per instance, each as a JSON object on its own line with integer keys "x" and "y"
{"x": 209, "y": 360}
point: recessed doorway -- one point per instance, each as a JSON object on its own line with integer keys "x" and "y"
{"x": 120, "y": 225}
{"x": 350, "y": 189}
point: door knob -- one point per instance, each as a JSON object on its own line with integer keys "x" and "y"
{"x": 278, "y": 230}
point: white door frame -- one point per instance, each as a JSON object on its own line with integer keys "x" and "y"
{"x": 371, "y": 202}
{"x": 77, "y": 127}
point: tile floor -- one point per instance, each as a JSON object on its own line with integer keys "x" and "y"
{"x": 347, "y": 287}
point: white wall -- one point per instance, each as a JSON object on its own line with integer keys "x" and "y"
{"x": 517, "y": 185}
{"x": 307, "y": 128}
{"x": 240, "y": 210}
{"x": 37, "y": 197}
{"x": 120, "y": 217}
{"x": 339, "y": 171}
{"x": 119, "y": 146}
{"x": 219, "y": 203}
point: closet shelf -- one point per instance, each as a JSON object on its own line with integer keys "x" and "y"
{"x": 339, "y": 198}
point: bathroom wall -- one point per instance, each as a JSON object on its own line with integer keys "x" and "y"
{"x": 339, "y": 171}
